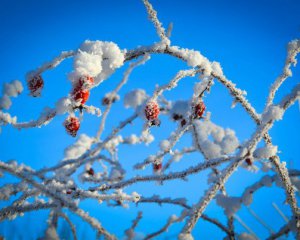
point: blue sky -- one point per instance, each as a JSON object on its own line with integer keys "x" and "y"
{"x": 248, "y": 38}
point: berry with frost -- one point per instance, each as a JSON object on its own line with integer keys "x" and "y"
{"x": 152, "y": 110}
{"x": 81, "y": 95}
{"x": 199, "y": 109}
{"x": 72, "y": 125}
{"x": 35, "y": 85}
{"x": 157, "y": 167}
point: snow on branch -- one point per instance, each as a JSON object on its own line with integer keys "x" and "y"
{"x": 94, "y": 169}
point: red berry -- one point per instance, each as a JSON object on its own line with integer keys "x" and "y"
{"x": 152, "y": 110}
{"x": 72, "y": 125}
{"x": 157, "y": 167}
{"x": 199, "y": 109}
{"x": 109, "y": 100}
{"x": 183, "y": 122}
{"x": 177, "y": 116}
{"x": 86, "y": 82}
{"x": 35, "y": 85}
{"x": 91, "y": 171}
{"x": 69, "y": 191}
{"x": 248, "y": 161}
{"x": 81, "y": 95}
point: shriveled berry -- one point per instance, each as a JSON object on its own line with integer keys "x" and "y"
{"x": 152, "y": 110}
{"x": 108, "y": 100}
{"x": 199, "y": 109}
{"x": 177, "y": 116}
{"x": 81, "y": 95}
{"x": 248, "y": 161}
{"x": 91, "y": 172}
{"x": 155, "y": 122}
{"x": 69, "y": 191}
{"x": 157, "y": 167}
{"x": 35, "y": 85}
{"x": 72, "y": 125}
{"x": 183, "y": 122}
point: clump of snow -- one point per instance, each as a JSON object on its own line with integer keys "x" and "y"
{"x": 7, "y": 118}
{"x": 217, "y": 69}
{"x": 96, "y": 59}
{"x": 12, "y": 89}
{"x": 224, "y": 140}
{"x": 229, "y": 142}
{"x": 272, "y": 113}
{"x": 132, "y": 139}
{"x": 211, "y": 149}
{"x": 93, "y": 110}
{"x": 87, "y": 64}
{"x": 165, "y": 145}
{"x": 194, "y": 58}
{"x": 147, "y": 137}
{"x": 83, "y": 143}
{"x": 265, "y": 152}
{"x": 63, "y": 105}
{"x": 135, "y": 98}
{"x": 180, "y": 108}
{"x": 136, "y": 196}
{"x": 230, "y": 204}
{"x": 5, "y": 102}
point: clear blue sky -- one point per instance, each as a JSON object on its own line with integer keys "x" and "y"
{"x": 248, "y": 38}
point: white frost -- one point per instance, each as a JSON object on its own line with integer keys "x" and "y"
{"x": 265, "y": 152}
{"x": 135, "y": 98}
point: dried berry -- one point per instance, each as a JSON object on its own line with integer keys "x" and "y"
{"x": 183, "y": 122}
{"x": 248, "y": 161}
{"x": 35, "y": 85}
{"x": 157, "y": 167}
{"x": 91, "y": 172}
{"x": 69, "y": 191}
{"x": 109, "y": 100}
{"x": 72, "y": 125}
{"x": 177, "y": 116}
